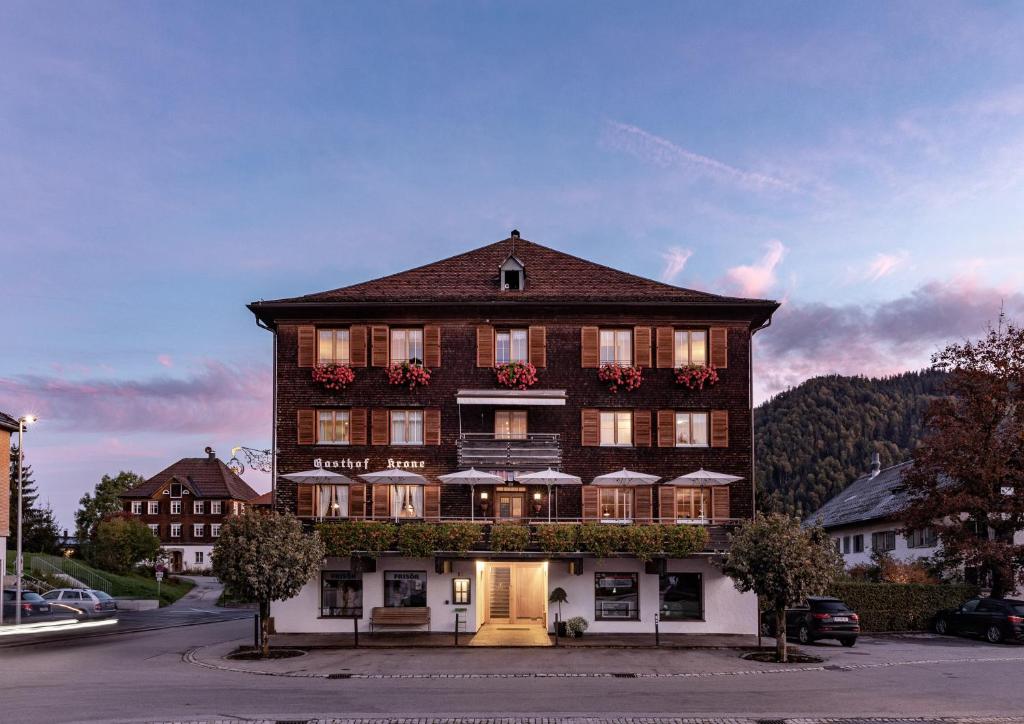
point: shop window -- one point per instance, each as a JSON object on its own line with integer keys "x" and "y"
{"x": 681, "y": 597}
{"x": 616, "y": 597}
{"x": 405, "y": 589}
{"x": 341, "y": 594}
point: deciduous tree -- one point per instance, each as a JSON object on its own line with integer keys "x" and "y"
{"x": 120, "y": 541}
{"x": 104, "y": 501}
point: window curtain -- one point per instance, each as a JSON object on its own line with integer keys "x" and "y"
{"x": 332, "y": 501}
{"x": 406, "y": 501}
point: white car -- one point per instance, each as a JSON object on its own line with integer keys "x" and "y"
{"x": 81, "y": 602}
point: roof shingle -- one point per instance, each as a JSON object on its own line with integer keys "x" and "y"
{"x": 208, "y": 477}
{"x": 865, "y": 499}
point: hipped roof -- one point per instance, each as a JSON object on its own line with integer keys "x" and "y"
{"x": 206, "y": 477}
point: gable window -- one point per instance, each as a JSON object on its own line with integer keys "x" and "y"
{"x": 510, "y": 425}
{"x": 175, "y": 490}
{"x": 616, "y": 504}
{"x": 616, "y": 346}
{"x": 406, "y": 501}
{"x": 175, "y": 507}
{"x": 616, "y": 596}
{"x": 341, "y": 594}
{"x": 215, "y": 530}
{"x": 333, "y": 427}
{"x": 331, "y": 501}
{"x": 510, "y": 345}
{"x": 511, "y": 279}
{"x": 681, "y": 597}
{"x": 154, "y": 507}
{"x": 693, "y": 503}
{"x": 691, "y": 429}
{"x": 155, "y": 529}
{"x": 407, "y": 427}
{"x": 924, "y": 538}
{"x": 198, "y": 507}
{"x": 691, "y": 347}
{"x": 617, "y": 428}
{"x": 407, "y": 346}
{"x": 858, "y": 543}
{"x": 175, "y": 530}
{"x": 215, "y": 507}
{"x": 137, "y": 507}
{"x": 197, "y": 530}
{"x": 332, "y": 346}
{"x": 511, "y": 275}
{"x": 883, "y": 540}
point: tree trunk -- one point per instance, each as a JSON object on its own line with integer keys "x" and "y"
{"x": 780, "y": 634}
{"x": 265, "y": 628}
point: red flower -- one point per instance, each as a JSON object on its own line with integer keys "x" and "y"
{"x": 334, "y": 376}
{"x": 696, "y": 376}
{"x": 516, "y": 375}
{"x": 617, "y": 375}
{"x": 412, "y": 375}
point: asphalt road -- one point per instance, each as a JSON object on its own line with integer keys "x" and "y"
{"x": 142, "y": 677}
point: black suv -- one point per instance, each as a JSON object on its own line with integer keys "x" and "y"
{"x": 997, "y": 619}
{"x": 819, "y": 617}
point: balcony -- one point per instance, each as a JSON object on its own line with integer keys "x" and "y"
{"x": 487, "y": 451}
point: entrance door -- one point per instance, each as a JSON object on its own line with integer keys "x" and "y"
{"x": 176, "y": 561}
{"x": 515, "y": 593}
{"x": 510, "y": 506}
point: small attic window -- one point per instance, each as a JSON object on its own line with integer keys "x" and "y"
{"x": 512, "y": 275}
{"x": 175, "y": 490}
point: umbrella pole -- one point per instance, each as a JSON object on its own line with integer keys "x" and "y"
{"x": 549, "y": 502}
{"x": 472, "y": 502}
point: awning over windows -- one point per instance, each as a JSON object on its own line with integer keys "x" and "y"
{"x": 511, "y": 397}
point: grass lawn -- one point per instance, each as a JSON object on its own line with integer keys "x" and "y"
{"x": 132, "y": 585}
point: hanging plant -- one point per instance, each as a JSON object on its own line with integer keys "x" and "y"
{"x": 616, "y": 375}
{"x": 410, "y": 375}
{"x": 696, "y": 376}
{"x": 334, "y": 376}
{"x": 516, "y": 375}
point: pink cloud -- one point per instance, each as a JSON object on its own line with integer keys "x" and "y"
{"x": 165, "y": 360}
{"x": 675, "y": 260}
{"x": 885, "y": 264}
{"x": 755, "y": 280}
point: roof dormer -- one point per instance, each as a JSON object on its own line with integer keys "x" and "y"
{"x": 512, "y": 272}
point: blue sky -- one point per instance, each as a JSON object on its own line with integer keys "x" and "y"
{"x": 163, "y": 164}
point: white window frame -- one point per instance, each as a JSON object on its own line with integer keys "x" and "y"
{"x": 615, "y": 346}
{"x": 155, "y": 528}
{"x": 332, "y": 418}
{"x": 404, "y": 418}
{"x": 700, "y": 503}
{"x": 199, "y": 558}
{"x": 175, "y": 530}
{"x": 689, "y": 416}
{"x": 683, "y": 339}
{"x": 176, "y": 506}
{"x": 510, "y": 425}
{"x": 403, "y": 343}
{"x": 333, "y": 346}
{"x": 405, "y": 501}
{"x": 331, "y": 502}
{"x": 198, "y": 530}
{"x": 511, "y": 345}
{"x": 136, "y": 507}
{"x": 198, "y": 507}
{"x": 215, "y": 530}
{"x": 215, "y": 507}
{"x": 153, "y": 507}
{"x": 622, "y": 504}
{"x": 615, "y": 427}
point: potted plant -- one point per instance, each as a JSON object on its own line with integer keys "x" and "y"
{"x": 575, "y": 627}
{"x": 558, "y": 596}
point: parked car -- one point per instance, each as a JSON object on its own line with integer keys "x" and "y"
{"x": 997, "y": 619}
{"x": 819, "y": 617}
{"x": 81, "y": 602}
{"x": 32, "y": 605}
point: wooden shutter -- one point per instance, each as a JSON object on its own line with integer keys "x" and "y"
{"x": 432, "y": 502}
{"x": 666, "y": 428}
{"x": 307, "y": 345}
{"x": 590, "y": 434}
{"x": 643, "y": 504}
{"x": 307, "y": 427}
{"x": 357, "y": 501}
{"x": 484, "y": 345}
{"x": 538, "y": 346}
{"x": 667, "y": 503}
{"x": 591, "y": 502}
{"x": 432, "y": 426}
{"x": 304, "y": 501}
{"x": 379, "y": 433}
{"x": 642, "y": 346}
{"x": 379, "y": 342}
{"x": 590, "y": 350}
{"x": 431, "y": 346}
{"x": 357, "y": 426}
{"x": 381, "y": 509}
{"x": 719, "y": 428}
{"x": 720, "y": 502}
{"x": 719, "y": 339}
{"x": 642, "y": 428}
{"x": 666, "y": 343}
{"x": 357, "y": 345}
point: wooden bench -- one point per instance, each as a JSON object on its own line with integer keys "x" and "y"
{"x": 385, "y": 616}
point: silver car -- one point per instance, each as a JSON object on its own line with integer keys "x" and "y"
{"x": 81, "y": 602}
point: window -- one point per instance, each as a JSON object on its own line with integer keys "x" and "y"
{"x": 846, "y": 544}
{"x": 616, "y": 504}
{"x": 924, "y": 538}
{"x": 406, "y": 501}
{"x": 616, "y": 596}
{"x": 407, "y": 346}
{"x": 175, "y": 490}
{"x": 970, "y": 605}
{"x": 405, "y": 589}
{"x": 839, "y": 545}
{"x": 330, "y": 501}
{"x": 175, "y": 507}
{"x": 858, "y": 543}
{"x": 136, "y": 507}
{"x": 616, "y": 346}
{"x": 341, "y": 594}
{"x": 681, "y": 597}
{"x": 460, "y": 591}
{"x": 693, "y": 503}
{"x": 199, "y": 558}
{"x": 617, "y": 428}
{"x": 155, "y": 528}
{"x": 332, "y": 346}
{"x": 198, "y": 507}
{"x": 215, "y": 530}
{"x": 407, "y": 427}
{"x": 510, "y": 425}
{"x": 691, "y": 347}
{"x": 215, "y": 507}
{"x": 197, "y": 530}
{"x": 154, "y": 507}
{"x": 175, "y": 530}
{"x": 691, "y": 429}
{"x": 510, "y": 346}
{"x": 333, "y": 428}
{"x": 883, "y": 540}
{"x": 511, "y": 279}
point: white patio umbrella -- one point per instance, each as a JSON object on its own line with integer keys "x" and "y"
{"x": 625, "y": 478}
{"x": 394, "y": 476}
{"x": 704, "y": 479}
{"x": 318, "y": 475}
{"x": 549, "y": 477}
{"x": 472, "y": 478}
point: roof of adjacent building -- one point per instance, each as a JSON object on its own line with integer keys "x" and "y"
{"x": 550, "y": 276}
{"x": 207, "y": 478}
{"x": 868, "y": 498}
{"x": 8, "y": 423}
{"x": 266, "y": 498}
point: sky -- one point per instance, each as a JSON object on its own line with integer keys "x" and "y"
{"x": 163, "y": 164}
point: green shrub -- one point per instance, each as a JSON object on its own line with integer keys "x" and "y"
{"x": 680, "y": 541}
{"x": 120, "y": 542}
{"x": 643, "y": 541}
{"x": 365, "y": 536}
{"x": 417, "y": 540}
{"x": 557, "y": 537}
{"x": 899, "y": 606}
{"x": 509, "y": 537}
{"x": 575, "y": 627}
{"x": 601, "y": 539}
{"x": 457, "y": 537}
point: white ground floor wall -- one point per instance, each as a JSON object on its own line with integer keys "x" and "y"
{"x": 723, "y": 609}
{"x": 189, "y": 561}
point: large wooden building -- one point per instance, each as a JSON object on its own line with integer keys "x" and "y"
{"x": 464, "y": 321}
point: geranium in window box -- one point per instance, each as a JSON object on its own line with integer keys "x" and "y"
{"x": 516, "y": 375}
{"x": 334, "y": 376}
{"x": 627, "y": 377}
{"x": 412, "y": 375}
{"x": 696, "y": 376}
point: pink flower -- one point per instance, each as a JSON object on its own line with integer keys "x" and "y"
{"x": 334, "y": 376}
{"x": 516, "y": 375}
{"x": 617, "y": 375}
{"x": 696, "y": 376}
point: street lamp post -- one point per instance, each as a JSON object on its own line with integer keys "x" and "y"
{"x": 19, "y": 562}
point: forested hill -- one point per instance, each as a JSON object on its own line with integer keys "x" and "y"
{"x": 815, "y": 438}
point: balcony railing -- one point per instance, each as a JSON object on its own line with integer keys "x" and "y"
{"x": 487, "y": 451}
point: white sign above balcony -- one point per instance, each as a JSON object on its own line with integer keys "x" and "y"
{"x": 540, "y": 398}
{"x": 364, "y": 464}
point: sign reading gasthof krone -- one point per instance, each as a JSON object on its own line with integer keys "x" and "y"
{"x": 364, "y": 464}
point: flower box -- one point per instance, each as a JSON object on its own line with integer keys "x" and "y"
{"x": 334, "y": 376}
{"x": 616, "y": 375}
{"x": 516, "y": 375}
{"x": 696, "y": 376}
{"x": 410, "y": 375}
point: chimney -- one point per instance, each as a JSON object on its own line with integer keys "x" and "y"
{"x": 514, "y": 234}
{"x": 876, "y": 464}
{"x": 210, "y": 454}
